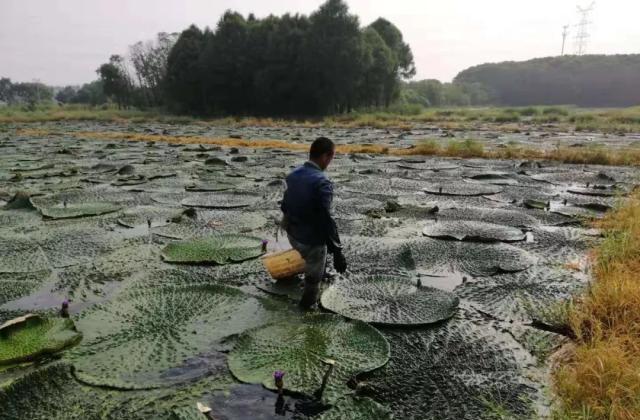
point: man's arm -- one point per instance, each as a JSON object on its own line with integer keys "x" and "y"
{"x": 328, "y": 224}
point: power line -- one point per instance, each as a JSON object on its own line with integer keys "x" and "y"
{"x": 582, "y": 29}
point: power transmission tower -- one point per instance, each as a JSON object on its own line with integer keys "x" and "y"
{"x": 582, "y": 34}
{"x": 565, "y": 32}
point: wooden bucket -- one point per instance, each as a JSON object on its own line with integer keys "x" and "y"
{"x": 284, "y": 264}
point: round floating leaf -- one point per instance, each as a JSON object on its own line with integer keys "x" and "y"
{"x": 16, "y": 285}
{"x": 219, "y": 201}
{"x": 210, "y": 186}
{"x": 75, "y": 210}
{"x": 356, "y": 408}
{"x": 33, "y": 337}
{"x": 19, "y": 255}
{"x": 453, "y": 372}
{"x": 145, "y": 337}
{"x": 473, "y": 231}
{"x": 302, "y": 347}
{"x": 159, "y": 216}
{"x": 596, "y": 192}
{"x": 489, "y": 215}
{"x": 218, "y": 249}
{"x": 461, "y": 188}
{"x": 389, "y": 300}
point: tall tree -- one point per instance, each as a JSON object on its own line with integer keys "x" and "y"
{"x": 404, "y": 66}
{"x": 116, "y": 81}
{"x": 149, "y": 59}
{"x": 225, "y": 66}
{"x": 184, "y": 78}
{"x": 379, "y": 65}
{"x": 334, "y": 49}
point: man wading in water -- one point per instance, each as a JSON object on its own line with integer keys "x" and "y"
{"x": 308, "y": 221}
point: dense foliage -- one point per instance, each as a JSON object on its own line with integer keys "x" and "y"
{"x": 433, "y": 93}
{"x": 28, "y": 93}
{"x": 321, "y": 64}
{"x": 590, "y": 80}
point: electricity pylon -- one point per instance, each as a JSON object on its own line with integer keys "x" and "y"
{"x": 582, "y": 33}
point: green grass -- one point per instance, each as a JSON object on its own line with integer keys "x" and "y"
{"x": 563, "y": 118}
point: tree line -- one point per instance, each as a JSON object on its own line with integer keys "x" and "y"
{"x": 288, "y": 65}
{"x": 29, "y": 93}
{"x": 588, "y": 81}
{"x": 324, "y": 63}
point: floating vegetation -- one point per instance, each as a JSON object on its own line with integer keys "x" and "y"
{"x": 389, "y": 300}
{"x": 306, "y": 349}
{"x": 21, "y": 256}
{"x": 356, "y": 408}
{"x": 461, "y": 189}
{"x": 27, "y": 338}
{"x": 161, "y": 334}
{"x": 146, "y": 336}
{"x": 218, "y": 249}
{"x": 219, "y": 201}
{"x": 72, "y": 211}
{"x": 473, "y": 231}
{"x": 454, "y": 371}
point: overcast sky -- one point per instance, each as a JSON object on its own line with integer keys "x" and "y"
{"x": 63, "y": 41}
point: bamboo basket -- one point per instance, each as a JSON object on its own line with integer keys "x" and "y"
{"x": 284, "y": 264}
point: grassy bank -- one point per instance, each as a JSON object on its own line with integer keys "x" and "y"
{"x": 509, "y": 119}
{"x": 601, "y": 377}
{"x": 453, "y": 148}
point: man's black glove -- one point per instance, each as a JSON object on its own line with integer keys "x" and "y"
{"x": 339, "y": 262}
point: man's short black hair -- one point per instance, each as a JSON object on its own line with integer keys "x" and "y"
{"x": 320, "y": 146}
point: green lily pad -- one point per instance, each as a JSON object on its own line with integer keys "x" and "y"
{"x": 34, "y": 337}
{"x": 471, "y": 231}
{"x": 454, "y": 371}
{"x": 20, "y": 255}
{"x": 72, "y": 211}
{"x": 146, "y": 336}
{"x": 302, "y": 347}
{"x": 158, "y": 216}
{"x": 219, "y": 201}
{"x": 389, "y": 300}
{"x": 356, "y": 408}
{"x": 218, "y": 249}
{"x": 469, "y": 189}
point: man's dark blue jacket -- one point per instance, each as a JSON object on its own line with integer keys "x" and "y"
{"x": 307, "y": 207}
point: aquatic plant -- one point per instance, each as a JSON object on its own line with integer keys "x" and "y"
{"x": 300, "y": 347}
{"x": 75, "y": 210}
{"x": 388, "y": 300}
{"x": 34, "y": 337}
{"x": 218, "y": 249}
{"x": 473, "y": 231}
{"x": 145, "y": 337}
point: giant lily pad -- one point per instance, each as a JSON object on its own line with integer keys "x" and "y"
{"x": 455, "y": 371}
{"x": 356, "y": 408}
{"x": 30, "y": 337}
{"x": 72, "y": 210}
{"x": 302, "y": 348}
{"x": 218, "y": 249}
{"x": 389, "y": 300}
{"x": 473, "y": 231}
{"x": 146, "y": 336}
{"x": 489, "y": 215}
{"x": 18, "y": 255}
{"x": 461, "y": 189}
{"x": 219, "y": 201}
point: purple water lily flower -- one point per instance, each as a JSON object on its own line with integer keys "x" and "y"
{"x": 278, "y": 375}
{"x": 64, "y": 311}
